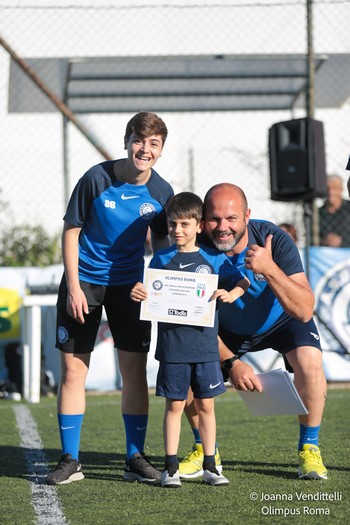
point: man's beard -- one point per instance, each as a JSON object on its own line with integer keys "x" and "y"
{"x": 227, "y": 246}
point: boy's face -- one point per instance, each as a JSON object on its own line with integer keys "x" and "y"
{"x": 144, "y": 152}
{"x": 184, "y": 232}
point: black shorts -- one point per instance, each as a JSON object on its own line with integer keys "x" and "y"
{"x": 286, "y": 334}
{"x": 123, "y": 315}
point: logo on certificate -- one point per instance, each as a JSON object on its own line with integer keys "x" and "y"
{"x": 157, "y": 285}
{"x": 200, "y": 290}
{"x": 176, "y": 312}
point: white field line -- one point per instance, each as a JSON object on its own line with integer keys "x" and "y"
{"x": 44, "y": 497}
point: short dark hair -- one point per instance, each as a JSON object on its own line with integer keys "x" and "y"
{"x": 145, "y": 124}
{"x": 185, "y": 205}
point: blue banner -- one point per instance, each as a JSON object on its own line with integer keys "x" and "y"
{"x": 330, "y": 280}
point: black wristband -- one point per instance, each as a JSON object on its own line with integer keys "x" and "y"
{"x": 228, "y": 363}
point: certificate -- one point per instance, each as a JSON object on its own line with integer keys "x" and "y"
{"x": 179, "y": 297}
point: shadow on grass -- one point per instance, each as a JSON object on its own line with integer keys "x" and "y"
{"x": 96, "y": 465}
{"x": 273, "y": 469}
{"x": 109, "y": 466}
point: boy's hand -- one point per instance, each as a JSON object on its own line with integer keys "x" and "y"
{"x": 225, "y": 296}
{"x": 138, "y": 293}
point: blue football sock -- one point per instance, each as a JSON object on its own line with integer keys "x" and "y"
{"x": 70, "y": 428}
{"x": 196, "y": 435}
{"x": 308, "y": 435}
{"x": 135, "y": 431}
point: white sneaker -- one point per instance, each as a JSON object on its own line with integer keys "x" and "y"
{"x": 170, "y": 481}
{"x": 214, "y": 478}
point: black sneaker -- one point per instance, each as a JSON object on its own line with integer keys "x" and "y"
{"x": 138, "y": 468}
{"x": 67, "y": 470}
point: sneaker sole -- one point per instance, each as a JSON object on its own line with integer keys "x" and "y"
{"x": 132, "y": 476}
{"x": 74, "y": 477}
{"x": 311, "y": 475}
{"x": 171, "y": 486}
{"x": 222, "y": 483}
{"x": 198, "y": 473}
{"x": 219, "y": 484}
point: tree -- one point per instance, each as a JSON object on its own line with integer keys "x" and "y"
{"x": 26, "y": 245}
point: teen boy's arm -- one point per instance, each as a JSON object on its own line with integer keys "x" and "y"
{"x": 76, "y": 300}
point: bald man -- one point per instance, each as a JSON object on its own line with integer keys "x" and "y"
{"x": 276, "y": 312}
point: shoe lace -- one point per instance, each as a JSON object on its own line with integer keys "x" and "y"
{"x": 192, "y": 456}
{"x": 62, "y": 464}
{"x": 311, "y": 455}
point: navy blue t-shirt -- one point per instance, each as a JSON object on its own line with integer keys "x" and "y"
{"x": 114, "y": 217}
{"x": 258, "y": 309}
{"x": 177, "y": 343}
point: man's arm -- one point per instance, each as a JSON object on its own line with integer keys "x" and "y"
{"x": 293, "y": 292}
{"x": 241, "y": 375}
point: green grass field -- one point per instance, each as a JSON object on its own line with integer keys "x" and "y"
{"x": 258, "y": 453}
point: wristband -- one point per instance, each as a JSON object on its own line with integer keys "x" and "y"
{"x": 228, "y": 363}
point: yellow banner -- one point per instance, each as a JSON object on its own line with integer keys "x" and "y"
{"x": 10, "y": 304}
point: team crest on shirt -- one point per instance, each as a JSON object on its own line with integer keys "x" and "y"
{"x": 332, "y": 305}
{"x": 147, "y": 211}
{"x": 203, "y": 268}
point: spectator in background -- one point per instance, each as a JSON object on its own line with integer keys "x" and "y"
{"x": 290, "y": 229}
{"x": 334, "y": 215}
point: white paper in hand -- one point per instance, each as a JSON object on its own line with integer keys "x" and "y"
{"x": 279, "y": 396}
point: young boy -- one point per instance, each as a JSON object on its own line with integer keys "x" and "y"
{"x": 189, "y": 355}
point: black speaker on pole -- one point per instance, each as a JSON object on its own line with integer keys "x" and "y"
{"x": 297, "y": 160}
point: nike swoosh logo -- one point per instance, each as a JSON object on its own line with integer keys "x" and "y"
{"x": 127, "y": 197}
{"x": 67, "y": 428}
{"x": 181, "y": 266}
{"x": 211, "y": 386}
{"x": 141, "y": 428}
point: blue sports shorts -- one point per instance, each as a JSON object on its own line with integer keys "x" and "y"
{"x": 205, "y": 380}
{"x": 123, "y": 315}
{"x": 286, "y": 334}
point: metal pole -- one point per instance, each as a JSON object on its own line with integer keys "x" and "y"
{"x": 308, "y": 205}
{"x": 54, "y": 98}
{"x": 191, "y": 169}
{"x": 66, "y": 189}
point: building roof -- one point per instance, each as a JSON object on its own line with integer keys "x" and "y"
{"x": 180, "y": 83}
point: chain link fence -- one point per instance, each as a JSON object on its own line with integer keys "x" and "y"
{"x": 213, "y": 137}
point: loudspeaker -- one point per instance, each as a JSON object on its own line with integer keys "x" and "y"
{"x": 297, "y": 160}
